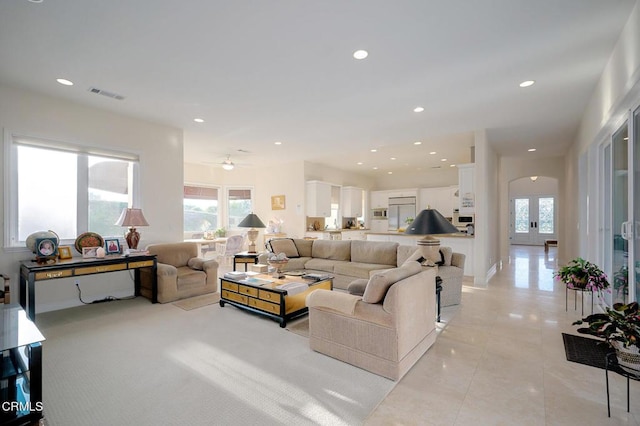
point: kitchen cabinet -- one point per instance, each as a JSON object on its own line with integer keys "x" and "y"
{"x": 351, "y": 201}
{"x": 466, "y": 176}
{"x": 354, "y": 235}
{"x": 443, "y": 199}
{"x": 379, "y": 199}
{"x": 318, "y": 199}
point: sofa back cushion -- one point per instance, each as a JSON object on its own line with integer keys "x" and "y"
{"x": 284, "y": 245}
{"x": 304, "y": 246}
{"x": 380, "y": 282}
{"x": 379, "y": 252}
{"x": 331, "y": 249}
{"x": 175, "y": 254}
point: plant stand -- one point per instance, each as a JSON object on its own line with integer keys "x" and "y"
{"x": 575, "y": 299}
{"x": 611, "y": 363}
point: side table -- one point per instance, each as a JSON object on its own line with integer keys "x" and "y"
{"x": 611, "y": 363}
{"x": 246, "y": 258}
{"x": 575, "y": 299}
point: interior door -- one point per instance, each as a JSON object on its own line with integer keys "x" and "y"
{"x": 532, "y": 220}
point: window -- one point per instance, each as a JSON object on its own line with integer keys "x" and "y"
{"x": 65, "y": 188}
{"x": 239, "y": 205}
{"x": 200, "y": 210}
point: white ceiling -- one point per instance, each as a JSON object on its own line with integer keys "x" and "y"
{"x": 264, "y": 71}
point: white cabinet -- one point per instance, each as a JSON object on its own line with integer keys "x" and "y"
{"x": 351, "y": 201}
{"x": 379, "y": 199}
{"x": 443, "y": 199}
{"x": 318, "y": 199}
{"x": 466, "y": 176}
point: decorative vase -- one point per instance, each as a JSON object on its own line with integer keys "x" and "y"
{"x": 277, "y": 266}
{"x": 628, "y": 358}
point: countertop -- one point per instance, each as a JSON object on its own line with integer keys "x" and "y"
{"x": 456, "y": 235}
{"x": 340, "y": 230}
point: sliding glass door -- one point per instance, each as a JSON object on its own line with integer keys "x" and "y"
{"x": 634, "y": 277}
{"x": 619, "y": 213}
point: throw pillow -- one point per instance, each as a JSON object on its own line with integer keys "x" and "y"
{"x": 284, "y": 245}
{"x": 358, "y": 286}
{"x": 446, "y": 253}
{"x": 380, "y": 282}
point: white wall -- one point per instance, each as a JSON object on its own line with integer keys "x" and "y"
{"x": 160, "y": 149}
{"x": 446, "y": 176}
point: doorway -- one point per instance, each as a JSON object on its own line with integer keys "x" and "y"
{"x": 533, "y": 210}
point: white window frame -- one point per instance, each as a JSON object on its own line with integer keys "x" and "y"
{"x": 221, "y": 207}
{"x": 12, "y": 140}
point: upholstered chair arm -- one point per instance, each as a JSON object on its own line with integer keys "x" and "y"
{"x": 356, "y": 287}
{"x": 165, "y": 270}
{"x": 457, "y": 259}
{"x": 201, "y": 264}
{"x": 335, "y": 300}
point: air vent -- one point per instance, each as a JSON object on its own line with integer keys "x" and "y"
{"x": 105, "y": 93}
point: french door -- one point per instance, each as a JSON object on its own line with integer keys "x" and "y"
{"x": 532, "y": 220}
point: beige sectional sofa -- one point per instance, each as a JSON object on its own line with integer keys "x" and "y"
{"x": 386, "y": 330}
{"x": 348, "y": 260}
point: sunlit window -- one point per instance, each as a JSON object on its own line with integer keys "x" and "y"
{"x": 239, "y": 205}
{"x": 64, "y": 188}
{"x": 200, "y": 210}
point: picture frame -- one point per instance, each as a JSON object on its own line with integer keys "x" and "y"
{"x": 64, "y": 252}
{"x": 89, "y": 252}
{"x": 277, "y": 202}
{"x": 112, "y": 245}
{"x": 46, "y": 247}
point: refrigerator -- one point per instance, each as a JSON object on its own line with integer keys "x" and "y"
{"x": 400, "y": 208}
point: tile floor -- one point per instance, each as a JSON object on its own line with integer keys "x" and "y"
{"x": 501, "y": 361}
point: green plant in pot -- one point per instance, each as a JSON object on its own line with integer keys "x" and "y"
{"x": 620, "y": 328}
{"x": 581, "y": 274}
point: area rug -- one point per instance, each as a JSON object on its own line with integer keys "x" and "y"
{"x": 300, "y": 327}
{"x": 197, "y": 301}
{"x": 584, "y": 350}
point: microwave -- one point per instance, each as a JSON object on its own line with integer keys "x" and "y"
{"x": 379, "y": 213}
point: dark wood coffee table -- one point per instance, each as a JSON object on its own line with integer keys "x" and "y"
{"x": 260, "y": 294}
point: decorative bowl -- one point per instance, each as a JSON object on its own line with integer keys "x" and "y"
{"x": 277, "y": 266}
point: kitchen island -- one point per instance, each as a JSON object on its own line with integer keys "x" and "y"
{"x": 459, "y": 243}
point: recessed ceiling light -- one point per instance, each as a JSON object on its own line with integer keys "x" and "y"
{"x": 452, "y": 165}
{"x": 443, "y": 159}
{"x": 375, "y": 168}
{"x": 64, "y": 81}
{"x": 433, "y": 153}
{"x": 392, "y": 158}
{"x": 359, "y": 163}
{"x": 417, "y": 143}
{"x": 418, "y": 109}
{"x": 360, "y": 54}
{"x": 527, "y": 83}
{"x": 374, "y": 150}
{"x": 198, "y": 120}
{"x": 35, "y": 1}
{"x": 389, "y": 173}
{"x": 531, "y": 150}
{"x": 277, "y": 143}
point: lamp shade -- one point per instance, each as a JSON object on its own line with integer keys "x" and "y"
{"x": 131, "y": 217}
{"x": 251, "y": 221}
{"x": 430, "y": 222}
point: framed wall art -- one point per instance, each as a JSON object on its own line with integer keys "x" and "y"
{"x": 277, "y": 202}
{"x": 89, "y": 252}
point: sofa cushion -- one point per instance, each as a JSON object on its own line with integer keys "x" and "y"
{"x": 316, "y": 264}
{"x": 359, "y": 270}
{"x": 303, "y": 246}
{"x": 331, "y": 249}
{"x": 284, "y": 245}
{"x": 380, "y": 283}
{"x": 445, "y": 254}
{"x": 379, "y": 252}
{"x": 189, "y": 278}
{"x": 357, "y": 287}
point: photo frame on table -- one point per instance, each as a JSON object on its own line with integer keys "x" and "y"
{"x": 64, "y": 252}
{"x": 46, "y": 247}
{"x": 89, "y": 252}
{"x": 277, "y": 202}
{"x": 112, "y": 245}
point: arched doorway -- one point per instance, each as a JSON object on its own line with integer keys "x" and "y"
{"x": 533, "y": 215}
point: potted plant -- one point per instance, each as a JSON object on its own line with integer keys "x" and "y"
{"x": 221, "y": 232}
{"x": 580, "y": 274}
{"x": 620, "y": 328}
{"x": 621, "y": 281}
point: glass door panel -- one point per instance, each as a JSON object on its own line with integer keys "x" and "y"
{"x": 533, "y": 220}
{"x": 546, "y": 224}
{"x": 521, "y": 221}
{"x": 619, "y": 214}
{"x": 634, "y": 279}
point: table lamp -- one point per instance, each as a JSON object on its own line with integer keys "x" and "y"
{"x": 252, "y": 221}
{"x": 430, "y": 222}
{"x": 132, "y": 218}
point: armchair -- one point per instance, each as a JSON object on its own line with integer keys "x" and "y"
{"x": 181, "y": 273}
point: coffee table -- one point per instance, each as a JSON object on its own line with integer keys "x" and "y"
{"x": 260, "y": 294}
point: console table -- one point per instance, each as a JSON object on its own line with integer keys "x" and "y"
{"x": 31, "y": 271}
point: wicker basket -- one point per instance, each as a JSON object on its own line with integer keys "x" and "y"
{"x": 628, "y": 358}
